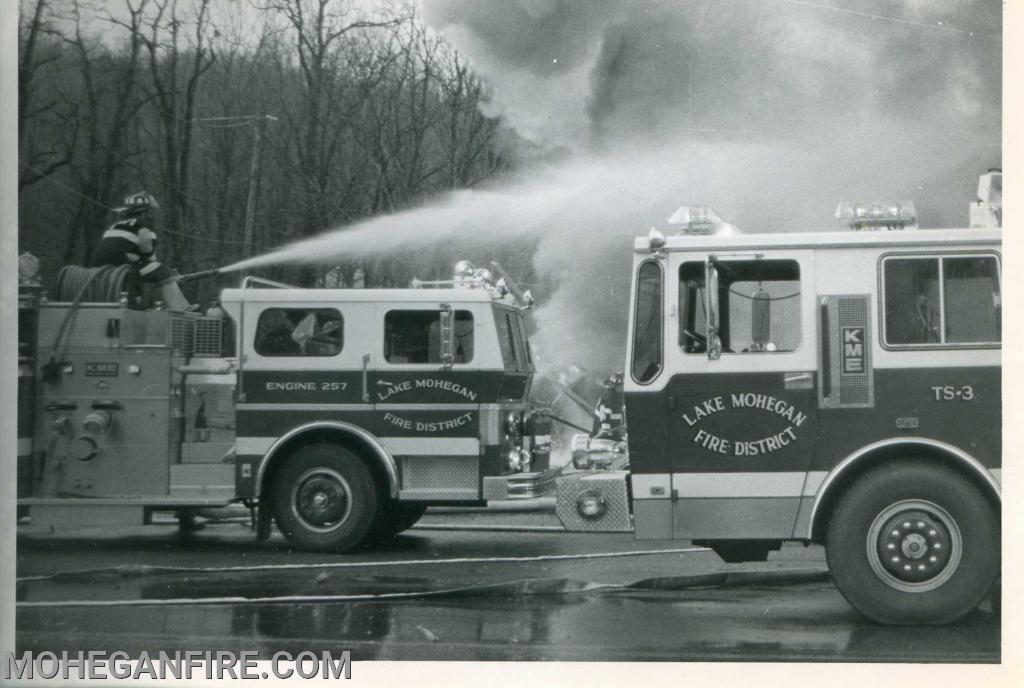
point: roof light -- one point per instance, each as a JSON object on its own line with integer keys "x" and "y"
{"x": 884, "y": 216}
{"x": 655, "y": 239}
{"x": 987, "y": 211}
{"x": 700, "y": 219}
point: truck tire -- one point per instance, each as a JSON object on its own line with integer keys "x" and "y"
{"x": 324, "y": 499}
{"x": 405, "y": 515}
{"x": 913, "y": 543}
{"x": 397, "y": 517}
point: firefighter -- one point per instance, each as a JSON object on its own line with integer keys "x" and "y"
{"x": 132, "y": 241}
{"x": 608, "y": 421}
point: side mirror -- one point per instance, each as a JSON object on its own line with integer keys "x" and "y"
{"x": 711, "y": 308}
{"x": 447, "y": 335}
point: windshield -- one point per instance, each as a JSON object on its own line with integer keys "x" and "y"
{"x": 515, "y": 347}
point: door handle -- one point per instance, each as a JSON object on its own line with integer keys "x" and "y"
{"x": 798, "y": 381}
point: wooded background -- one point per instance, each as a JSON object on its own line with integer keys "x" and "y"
{"x": 255, "y": 123}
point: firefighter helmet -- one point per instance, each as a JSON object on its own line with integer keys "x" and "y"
{"x": 138, "y": 203}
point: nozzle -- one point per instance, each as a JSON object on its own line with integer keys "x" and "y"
{"x": 198, "y": 275}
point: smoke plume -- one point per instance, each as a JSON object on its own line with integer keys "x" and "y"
{"x": 771, "y": 112}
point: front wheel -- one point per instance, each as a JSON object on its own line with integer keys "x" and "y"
{"x": 324, "y": 498}
{"x": 914, "y": 543}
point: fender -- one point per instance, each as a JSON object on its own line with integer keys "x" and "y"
{"x": 962, "y": 458}
{"x": 380, "y": 454}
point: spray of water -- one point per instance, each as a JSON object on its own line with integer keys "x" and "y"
{"x": 771, "y": 115}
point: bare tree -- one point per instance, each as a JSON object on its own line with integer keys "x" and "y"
{"x": 177, "y": 63}
{"x": 375, "y": 114}
{"x": 318, "y": 30}
{"x": 109, "y": 100}
{"x": 52, "y": 113}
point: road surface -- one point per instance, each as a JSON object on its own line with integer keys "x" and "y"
{"x": 451, "y": 589}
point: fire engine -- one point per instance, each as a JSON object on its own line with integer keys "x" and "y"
{"x": 840, "y": 388}
{"x": 339, "y": 414}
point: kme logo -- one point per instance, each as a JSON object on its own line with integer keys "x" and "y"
{"x": 853, "y": 350}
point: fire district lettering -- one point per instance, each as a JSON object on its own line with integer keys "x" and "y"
{"x": 426, "y": 383}
{"x": 428, "y": 426}
{"x": 765, "y": 402}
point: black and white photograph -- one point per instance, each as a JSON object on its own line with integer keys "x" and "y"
{"x": 505, "y": 334}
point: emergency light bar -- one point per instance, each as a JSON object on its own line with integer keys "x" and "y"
{"x": 868, "y": 216}
{"x": 700, "y": 219}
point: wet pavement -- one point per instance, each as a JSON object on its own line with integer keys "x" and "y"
{"x": 443, "y": 594}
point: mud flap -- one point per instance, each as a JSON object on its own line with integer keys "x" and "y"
{"x": 264, "y": 520}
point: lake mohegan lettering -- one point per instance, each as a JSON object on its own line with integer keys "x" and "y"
{"x": 744, "y": 400}
{"x": 427, "y": 383}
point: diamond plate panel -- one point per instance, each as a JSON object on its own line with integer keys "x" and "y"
{"x": 611, "y": 485}
{"x": 441, "y": 475}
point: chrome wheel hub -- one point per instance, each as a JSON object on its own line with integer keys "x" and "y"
{"x": 914, "y": 546}
{"x": 321, "y": 499}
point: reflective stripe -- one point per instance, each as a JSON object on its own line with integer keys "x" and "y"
{"x": 647, "y": 486}
{"x": 427, "y": 407}
{"x": 402, "y": 446}
{"x": 121, "y": 234}
{"x": 431, "y": 446}
{"x": 253, "y": 445}
{"x": 738, "y": 485}
{"x": 149, "y": 267}
{"x": 146, "y": 239}
{"x": 997, "y": 473}
{"x": 304, "y": 407}
{"x": 24, "y": 446}
{"x": 728, "y": 485}
{"x": 813, "y": 482}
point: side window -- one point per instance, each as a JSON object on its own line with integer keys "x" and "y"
{"x": 506, "y": 339}
{"x": 759, "y": 304}
{"x": 415, "y": 336}
{"x": 935, "y": 300}
{"x": 524, "y": 340}
{"x": 647, "y": 323}
{"x": 299, "y": 332}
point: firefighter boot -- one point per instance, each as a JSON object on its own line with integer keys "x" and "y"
{"x": 171, "y": 295}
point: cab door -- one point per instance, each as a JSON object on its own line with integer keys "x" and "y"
{"x": 742, "y": 403}
{"x": 427, "y": 389}
{"x": 301, "y": 361}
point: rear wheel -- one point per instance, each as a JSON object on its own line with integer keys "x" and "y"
{"x": 914, "y": 543}
{"x": 324, "y": 498}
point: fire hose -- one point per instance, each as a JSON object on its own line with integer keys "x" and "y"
{"x": 563, "y": 421}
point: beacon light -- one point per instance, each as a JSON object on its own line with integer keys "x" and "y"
{"x": 701, "y": 220}
{"x": 879, "y": 216}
